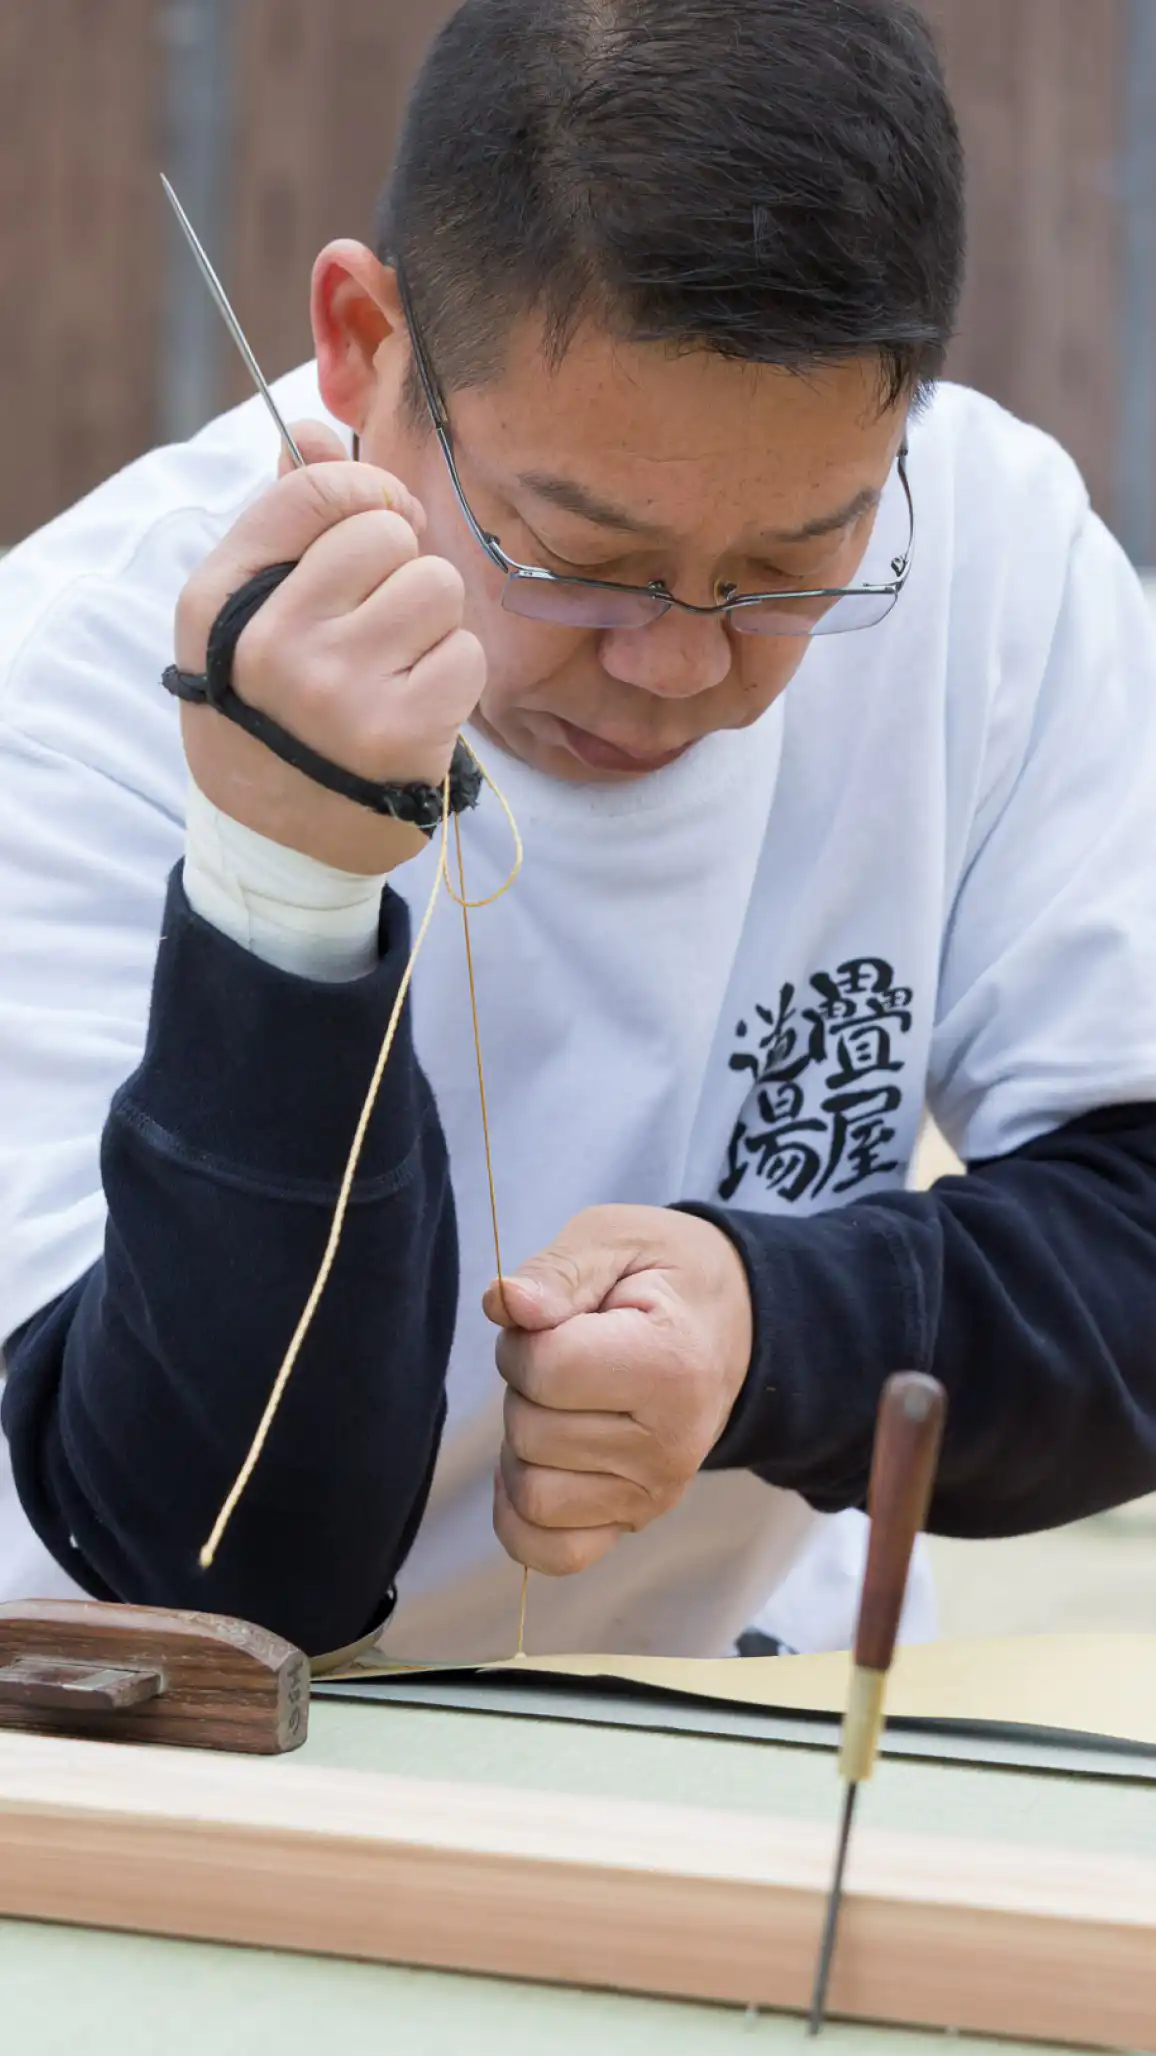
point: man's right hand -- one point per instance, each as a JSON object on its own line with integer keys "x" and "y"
{"x": 361, "y": 654}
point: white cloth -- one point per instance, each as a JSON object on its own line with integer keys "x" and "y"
{"x": 815, "y": 1606}
{"x": 926, "y": 875}
{"x": 305, "y": 917}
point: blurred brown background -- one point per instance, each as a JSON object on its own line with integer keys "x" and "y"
{"x": 276, "y": 120}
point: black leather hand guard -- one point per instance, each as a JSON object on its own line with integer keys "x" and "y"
{"x": 418, "y": 805}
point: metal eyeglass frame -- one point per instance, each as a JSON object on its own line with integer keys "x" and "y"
{"x": 732, "y": 604}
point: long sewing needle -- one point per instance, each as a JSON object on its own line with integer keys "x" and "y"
{"x": 231, "y": 322}
{"x": 907, "y": 1438}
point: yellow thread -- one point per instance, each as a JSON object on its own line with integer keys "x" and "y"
{"x": 466, "y": 904}
{"x": 469, "y": 905}
{"x": 322, "y": 1279}
{"x": 441, "y": 876}
{"x": 521, "y": 1648}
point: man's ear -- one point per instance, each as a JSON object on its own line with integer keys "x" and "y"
{"x": 356, "y": 313}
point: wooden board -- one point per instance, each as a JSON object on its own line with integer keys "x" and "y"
{"x": 585, "y": 1891}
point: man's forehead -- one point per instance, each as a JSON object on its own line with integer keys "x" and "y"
{"x": 622, "y": 435}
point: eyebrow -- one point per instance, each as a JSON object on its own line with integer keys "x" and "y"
{"x": 828, "y": 524}
{"x": 571, "y": 497}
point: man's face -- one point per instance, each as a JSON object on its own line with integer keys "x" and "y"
{"x": 628, "y": 462}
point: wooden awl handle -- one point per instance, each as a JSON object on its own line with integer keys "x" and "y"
{"x": 907, "y": 1438}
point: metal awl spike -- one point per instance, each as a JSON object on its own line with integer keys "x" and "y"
{"x": 231, "y": 322}
{"x": 831, "y": 1923}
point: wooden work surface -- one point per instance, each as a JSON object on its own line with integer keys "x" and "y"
{"x": 65, "y": 1989}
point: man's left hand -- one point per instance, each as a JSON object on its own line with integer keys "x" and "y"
{"x": 625, "y": 1346}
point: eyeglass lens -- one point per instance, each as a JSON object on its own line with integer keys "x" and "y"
{"x": 567, "y": 603}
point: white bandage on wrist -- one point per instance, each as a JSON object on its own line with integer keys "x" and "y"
{"x": 288, "y": 909}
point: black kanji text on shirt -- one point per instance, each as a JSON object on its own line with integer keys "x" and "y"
{"x": 825, "y": 1087}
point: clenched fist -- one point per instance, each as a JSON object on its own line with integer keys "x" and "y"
{"x": 625, "y": 1346}
{"x": 361, "y": 654}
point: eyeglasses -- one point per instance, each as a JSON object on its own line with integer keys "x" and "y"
{"x": 568, "y": 602}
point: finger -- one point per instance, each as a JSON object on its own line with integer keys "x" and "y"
{"x": 612, "y": 1443}
{"x": 574, "y": 1274}
{"x": 280, "y": 526}
{"x": 502, "y": 1304}
{"x": 409, "y": 723}
{"x": 348, "y": 563}
{"x": 572, "y": 1499}
{"x": 595, "y": 1363}
{"x": 413, "y": 611}
{"x": 447, "y": 684}
{"x": 552, "y": 1553}
{"x": 515, "y": 1302}
{"x": 318, "y": 444}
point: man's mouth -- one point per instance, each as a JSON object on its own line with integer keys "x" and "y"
{"x": 599, "y": 754}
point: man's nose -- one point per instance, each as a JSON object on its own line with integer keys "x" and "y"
{"x": 675, "y": 657}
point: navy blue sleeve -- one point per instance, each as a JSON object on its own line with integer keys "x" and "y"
{"x": 131, "y": 1401}
{"x": 1028, "y": 1287}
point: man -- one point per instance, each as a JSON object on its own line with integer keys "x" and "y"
{"x": 826, "y": 709}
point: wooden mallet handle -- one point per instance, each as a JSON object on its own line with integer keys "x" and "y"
{"x": 907, "y": 1439}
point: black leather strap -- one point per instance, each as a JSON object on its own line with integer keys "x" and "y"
{"x": 420, "y": 805}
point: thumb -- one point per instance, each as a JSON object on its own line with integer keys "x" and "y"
{"x": 318, "y": 444}
{"x": 574, "y": 1275}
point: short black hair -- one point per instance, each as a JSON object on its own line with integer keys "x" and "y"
{"x": 779, "y": 181}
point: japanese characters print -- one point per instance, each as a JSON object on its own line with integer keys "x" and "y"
{"x": 824, "y": 1085}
